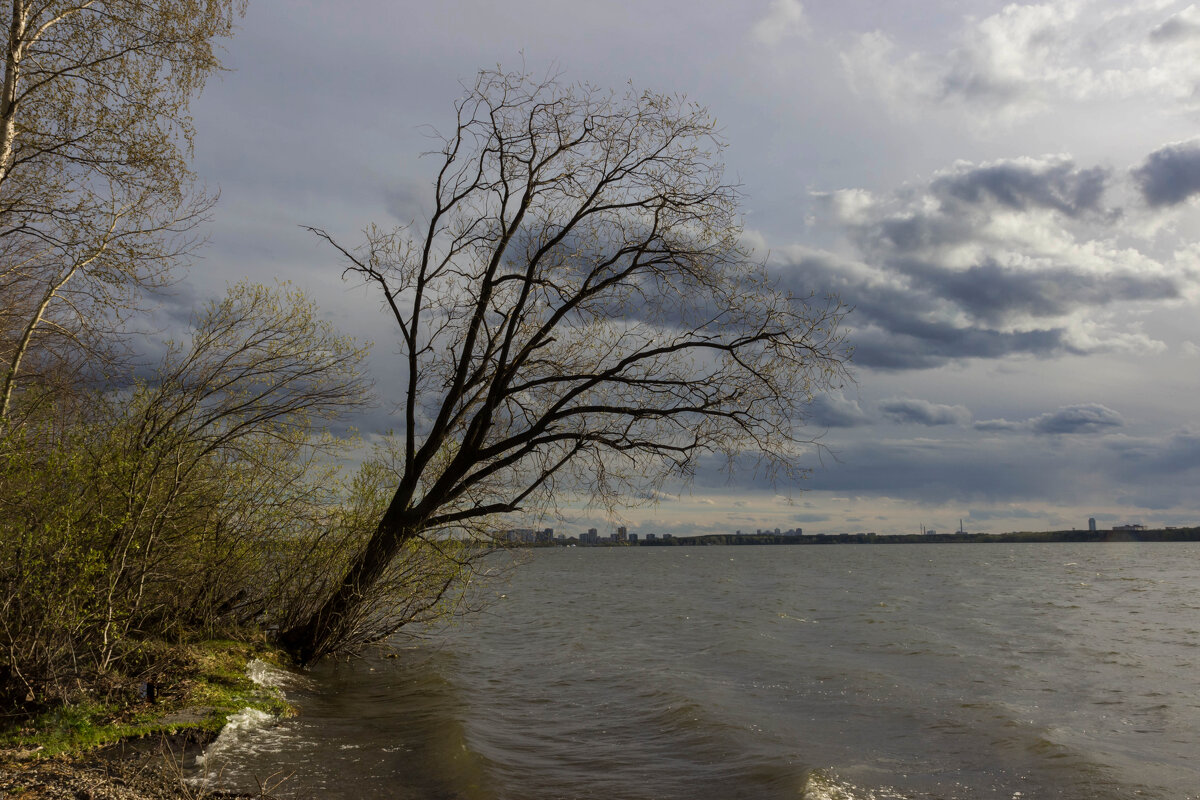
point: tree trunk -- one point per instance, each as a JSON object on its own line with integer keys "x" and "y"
{"x": 326, "y": 628}
{"x": 10, "y": 375}
{"x": 8, "y": 91}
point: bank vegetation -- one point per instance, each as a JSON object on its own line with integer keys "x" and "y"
{"x": 578, "y": 317}
{"x": 151, "y": 503}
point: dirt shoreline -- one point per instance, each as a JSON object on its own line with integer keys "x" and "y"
{"x": 137, "y": 769}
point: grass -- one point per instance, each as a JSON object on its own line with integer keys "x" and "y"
{"x": 199, "y": 686}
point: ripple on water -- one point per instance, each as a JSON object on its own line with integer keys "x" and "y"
{"x": 839, "y": 673}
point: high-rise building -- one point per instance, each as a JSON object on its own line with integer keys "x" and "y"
{"x": 1091, "y": 523}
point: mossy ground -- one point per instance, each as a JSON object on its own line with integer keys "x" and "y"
{"x": 198, "y": 686}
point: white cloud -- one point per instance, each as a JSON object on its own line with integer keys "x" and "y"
{"x": 785, "y": 19}
{"x": 1023, "y": 256}
{"x": 1030, "y": 57}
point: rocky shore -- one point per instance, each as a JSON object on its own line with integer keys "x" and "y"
{"x": 145, "y": 769}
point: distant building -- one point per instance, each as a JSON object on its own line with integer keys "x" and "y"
{"x": 622, "y": 534}
{"x": 1091, "y": 523}
{"x": 523, "y": 536}
{"x": 650, "y": 537}
{"x": 633, "y": 537}
{"x": 1129, "y": 527}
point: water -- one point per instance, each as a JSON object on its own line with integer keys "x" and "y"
{"x": 844, "y": 671}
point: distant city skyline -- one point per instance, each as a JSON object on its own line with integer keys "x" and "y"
{"x": 621, "y": 534}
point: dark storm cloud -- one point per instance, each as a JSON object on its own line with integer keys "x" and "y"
{"x": 177, "y": 304}
{"x": 940, "y": 472}
{"x": 1007, "y": 470}
{"x": 1170, "y": 175}
{"x": 1076, "y": 419}
{"x": 1156, "y": 473}
{"x": 899, "y": 323}
{"x": 903, "y": 233}
{"x": 1151, "y": 472}
{"x": 921, "y": 412}
{"x": 1177, "y": 454}
{"x": 985, "y": 261}
{"x": 1175, "y": 29}
{"x": 168, "y": 316}
{"x": 836, "y": 411}
{"x": 966, "y": 196}
{"x": 1000, "y": 426}
{"x": 992, "y": 293}
{"x": 1018, "y": 186}
{"x": 924, "y": 345}
{"x": 966, "y": 80}
{"x": 1086, "y": 418}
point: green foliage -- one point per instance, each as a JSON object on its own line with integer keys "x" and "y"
{"x": 205, "y": 684}
{"x": 181, "y": 507}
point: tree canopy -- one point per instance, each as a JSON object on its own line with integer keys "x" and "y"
{"x": 96, "y": 197}
{"x": 577, "y": 315}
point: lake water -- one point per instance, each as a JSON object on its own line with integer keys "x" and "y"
{"x": 841, "y": 671}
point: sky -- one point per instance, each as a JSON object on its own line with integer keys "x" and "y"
{"x": 1008, "y": 196}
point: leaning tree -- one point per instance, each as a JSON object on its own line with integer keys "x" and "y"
{"x": 577, "y": 315}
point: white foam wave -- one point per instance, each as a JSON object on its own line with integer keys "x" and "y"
{"x": 237, "y": 728}
{"x": 270, "y": 676}
{"x": 821, "y": 785}
{"x": 247, "y": 730}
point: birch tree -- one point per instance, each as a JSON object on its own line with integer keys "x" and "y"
{"x": 577, "y": 317}
{"x": 96, "y": 198}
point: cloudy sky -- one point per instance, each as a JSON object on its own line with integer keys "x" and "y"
{"x": 1008, "y": 196}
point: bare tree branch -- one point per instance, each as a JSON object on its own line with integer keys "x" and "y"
{"x": 577, "y": 317}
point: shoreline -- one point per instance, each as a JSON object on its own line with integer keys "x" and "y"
{"x": 141, "y": 750}
{"x": 1015, "y": 537}
{"x": 135, "y": 769}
